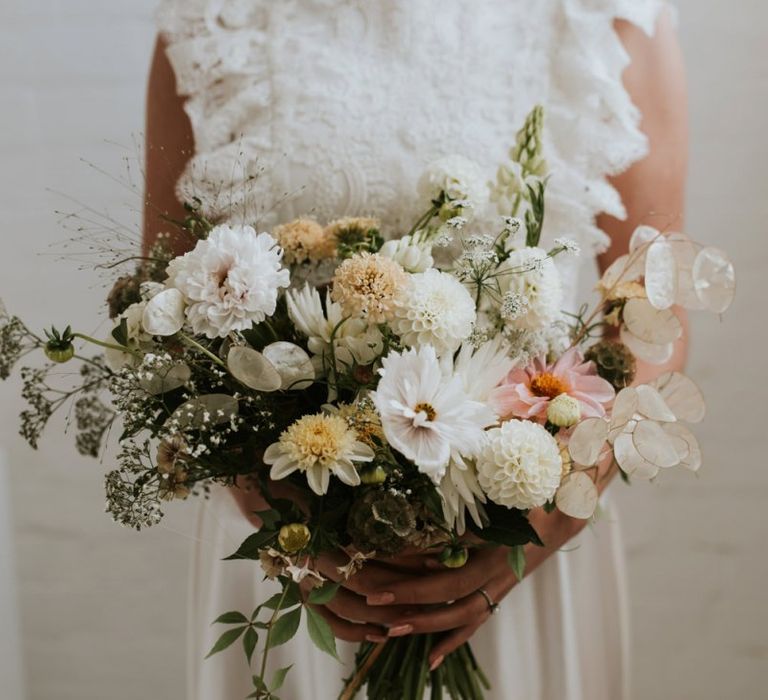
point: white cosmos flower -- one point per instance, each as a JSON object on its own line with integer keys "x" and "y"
{"x": 230, "y": 280}
{"x": 426, "y": 417}
{"x": 435, "y": 309}
{"x": 355, "y": 340}
{"x": 319, "y": 445}
{"x": 481, "y": 370}
{"x": 531, "y": 274}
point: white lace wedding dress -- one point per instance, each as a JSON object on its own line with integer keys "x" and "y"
{"x": 336, "y": 106}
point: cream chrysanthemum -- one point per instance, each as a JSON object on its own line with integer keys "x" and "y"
{"x": 305, "y": 240}
{"x": 436, "y": 309}
{"x": 368, "y": 285}
{"x": 520, "y": 465}
{"x": 318, "y": 445}
{"x": 532, "y": 275}
{"x": 230, "y": 280}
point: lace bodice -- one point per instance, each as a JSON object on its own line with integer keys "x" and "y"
{"x": 334, "y": 107}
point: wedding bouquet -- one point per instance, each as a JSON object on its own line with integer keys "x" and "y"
{"x": 421, "y": 394}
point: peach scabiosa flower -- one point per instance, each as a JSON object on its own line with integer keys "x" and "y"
{"x": 527, "y": 393}
{"x": 305, "y": 240}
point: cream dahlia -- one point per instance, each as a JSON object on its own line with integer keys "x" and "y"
{"x": 527, "y": 393}
{"x": 435, "y": 309}
{"x": 305, "y": 240}
{"x": 368, "y": 285}
{"x": 318, "y": 445}
{"x": 230, "y": 280}
{"x": 520, "y": 465}
{"x": 425, "y": 416}
{"x": 529, "y": 274}
{"x": 413, "y": 256}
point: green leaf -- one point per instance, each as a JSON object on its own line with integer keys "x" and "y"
{"x": 285, "y": 628}
{"x": 325, "y": 594}
{"x": 279, "y": 678}
{"x": 250, "y": 638}
{"x": 120, "y": 333}
{"x": 292, "y": 597}
{"x": 250, "y": 548}
{"x": 227, "y": 639}
{"x": 261, "y": 688}
{"x": 321, "y": 634}
{"x": 516, "y": 561}
{"x": 508, "y": 526}
{"x": 231, "y": 618}
{"x": 270, "y": 518}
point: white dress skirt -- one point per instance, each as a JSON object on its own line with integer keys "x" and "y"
{"x": 333, "y": 108}
{"x": 559, "y": 635}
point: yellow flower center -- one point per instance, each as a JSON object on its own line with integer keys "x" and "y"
{"x": 548, "y": 385}
{"x": 428, "y": 409}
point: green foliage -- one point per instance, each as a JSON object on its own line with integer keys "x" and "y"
{"x": 516, "y": 559}
{"x": 321, "y": 633}
{"x": 510, "y": 527}
{"x": 226, "y": 640}
{"x": 284, "y": 629}
{"x": 324, "y": 594}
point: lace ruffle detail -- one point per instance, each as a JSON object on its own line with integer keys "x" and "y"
{"x": 593, "y": 125}
{"x": 309, "y": 94}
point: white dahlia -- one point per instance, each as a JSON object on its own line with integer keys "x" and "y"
{"x": 318, "y": 445}
{"x": 520, "y": 465}
{"x": 530, "y": 274}
{"x": 413, "y": 256}
{"x": 435, "y": 309}
{"x": 230, "y": 280}
{"x": 354, "y": 341}
{"x": 461, "y": 179}
{"x": 425, "y": 416}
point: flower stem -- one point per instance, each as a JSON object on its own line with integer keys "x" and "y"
{"x": 194, "y": 344}
{"x": 109, "y": 346}
{"x": 358, "y": 679}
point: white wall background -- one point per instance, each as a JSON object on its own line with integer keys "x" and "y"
{"x": 102, "y": 609}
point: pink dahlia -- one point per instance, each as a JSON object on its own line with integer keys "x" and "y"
{"x": 526, "y": 393}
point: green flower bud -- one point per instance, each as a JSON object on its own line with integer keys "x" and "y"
{"x": 454, "y": 556}
{"x": 373, "y": 476}
{"x": 293, "y": 538}
{"x": 59, "y": 347}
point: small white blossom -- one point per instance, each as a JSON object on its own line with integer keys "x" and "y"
{"x": 569, "y": 246}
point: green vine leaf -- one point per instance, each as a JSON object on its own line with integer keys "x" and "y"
{"x": 321, "y": 634}
{"x": 324, "y": 594}
{"x": 250, "y": 548}
{"x": 250, "y": 639}
{"x": 516, "y": 561}
{"x": 285, "y": 628}
{"x": 279, "y": 678}
{"x": 226, "y": 640}
{"x": 231, "y": 618}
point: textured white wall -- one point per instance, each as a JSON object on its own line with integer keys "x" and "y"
{"x": 102, "y": 609}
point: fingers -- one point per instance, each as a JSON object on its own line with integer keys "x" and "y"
{"x": 442, "y": 586}
{"x": 353, "y": 607}
{"x": 350, "y": 631}
{"x": 470, "y": 609}
{"x": 450, "y": 643}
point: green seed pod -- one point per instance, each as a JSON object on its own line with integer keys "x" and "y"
{"x": 454, "y": 556}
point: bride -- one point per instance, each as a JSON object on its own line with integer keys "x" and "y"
{"x": 271, "y": 110}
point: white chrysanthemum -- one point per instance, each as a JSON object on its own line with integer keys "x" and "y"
{"x": 230, "y": 280}
{"x": 435, "y": 309}
{"x": 520, "y": 465}
{"x": 413, "y": 256}
{"x": 460, "y": 178}
{"x": 460, "y": 493}
{"x": 318, "y": 445}
{"x": 355, "y": 340}
{"x": 426, "y": 417}
{"x": 531, "y": 274}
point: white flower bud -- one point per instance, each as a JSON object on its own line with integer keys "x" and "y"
{"x": 410, "y": 255}
{"x": 564, "y": 411}
{"x": 165, "y": 313}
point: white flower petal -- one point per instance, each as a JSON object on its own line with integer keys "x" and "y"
{"x": 682, "y": 396}
{"x": 252, "y": 369}
{"x": 714, "y": 279}
{"x": 661, "y": 274}
{"x": 652, "y": 405}
{"x": 578, "y": 496}
{"x": 588, "y": 440}
{"x": 164, "y": 314}
{"x": 651, "y": 325}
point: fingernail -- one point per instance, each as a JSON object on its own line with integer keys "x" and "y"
{"x": 400, "y": 630}
{"x": 376, "y": 639}
{"x": 381, "y": 599}
{"x": 434, "y": 665}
